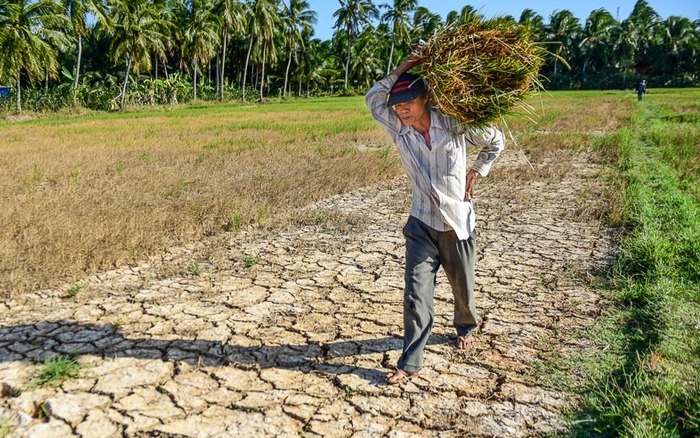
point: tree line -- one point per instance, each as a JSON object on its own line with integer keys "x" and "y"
{"x": 106, "y": 54}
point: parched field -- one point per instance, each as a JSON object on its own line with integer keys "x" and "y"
{"x": 237, "y": 271}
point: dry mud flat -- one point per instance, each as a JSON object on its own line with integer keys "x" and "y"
{"x": 291, "y": 334}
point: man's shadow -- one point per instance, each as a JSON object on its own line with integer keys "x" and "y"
{"x": 37, "y": 342}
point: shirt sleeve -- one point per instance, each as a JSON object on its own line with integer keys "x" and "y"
{"x": 492, "y": 143}
{"x": 376, "y": 99}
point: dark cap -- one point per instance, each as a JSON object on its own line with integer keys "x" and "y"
{"x": 407, "y": 87}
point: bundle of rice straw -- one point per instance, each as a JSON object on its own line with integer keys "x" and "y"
{"x": 480, "y": 71}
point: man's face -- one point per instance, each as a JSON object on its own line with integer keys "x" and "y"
{"x": 412, "y": 111}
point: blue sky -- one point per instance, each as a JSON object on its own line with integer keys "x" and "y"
{"x": 666, "y": 8}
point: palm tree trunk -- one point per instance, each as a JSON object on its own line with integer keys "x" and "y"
{"x": 126, "y": 81}
{"x": 245, "y": 71}
{"x": 218, "y": 73}
{"x": 156, "y": 68}
{"x": 347, "y": 63}
{"x": 223, "y": 64}
{"x": 19, "y": 95}
{"x": 391, "y": 55}
{"x": 77, "y": 69}
{"x": 300, "y": 84}
{"x": 286, "y": 74}
{"x": 195, "y": 81}
{"x": 262, "y": 75}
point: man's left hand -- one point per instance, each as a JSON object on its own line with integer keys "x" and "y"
{"x": 472, "y": 175}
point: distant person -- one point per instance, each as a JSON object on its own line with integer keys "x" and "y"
{"x": 441, "y": 227}
{"x": 641, "y": 89}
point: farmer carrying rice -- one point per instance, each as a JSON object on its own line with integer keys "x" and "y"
{"x": 441, "y": 227}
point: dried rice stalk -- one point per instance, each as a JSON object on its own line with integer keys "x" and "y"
{"x": 480, "y": 71}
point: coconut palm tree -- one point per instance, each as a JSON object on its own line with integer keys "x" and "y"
{"x": 563, "y": 29}
{"x": 398, "y": 17}
{"x": 466, "y": 15}
{"x": 351, "y": 16}
{"x": 368, "y": 65}
{"x": 678, "y": 34}
{"x": 597, "y": 39}
{"x": 425, "y": 23}
{"x": 262, "y": 16}
{"x": 201, "y": 34}
{"x": 22, "y": 22}
{"x": 231, "y": 13}
{"x": 297, "y": 19}
{"x": 639, "y": 33}
{"x": 77, "y": 11}
{"x": 166, "y": 10}
{"x": 138, "y": 30}
{"x": 534, "y": 22}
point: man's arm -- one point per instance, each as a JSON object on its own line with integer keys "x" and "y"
{"x": 492, "y": 143}
{"x": 376, "y": 99}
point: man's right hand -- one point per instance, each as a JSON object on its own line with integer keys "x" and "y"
{"x": 408, "y": 64}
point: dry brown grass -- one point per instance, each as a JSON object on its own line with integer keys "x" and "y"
{"x": 84, "y": 194}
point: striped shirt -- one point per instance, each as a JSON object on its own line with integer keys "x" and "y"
{"x": 438, "y": 175}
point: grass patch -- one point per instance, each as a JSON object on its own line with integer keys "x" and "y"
{"x": 250, "y": 261}
{"x": 56, "y": 369}
{"x": 195, "y": 269}
{"x": 647, "y": 382}
{"x": 74, "y": 290}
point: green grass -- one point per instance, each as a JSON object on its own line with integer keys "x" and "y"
{"x": 647, "y": 379}
{"x": 250, "y": 261}
{"x": 74, "y": 290}
{"x": 195, "y": 269}
{"x": 56, "y": 369}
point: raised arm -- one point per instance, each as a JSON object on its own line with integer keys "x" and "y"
{"x": 376, "y": 99}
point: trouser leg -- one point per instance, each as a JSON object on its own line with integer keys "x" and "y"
{"x": 458, "y": 260}
{"x": 422, "y": 264}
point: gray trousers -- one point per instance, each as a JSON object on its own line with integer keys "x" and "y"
{"x": 427, "y": 250}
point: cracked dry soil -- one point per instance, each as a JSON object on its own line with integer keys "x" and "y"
{"x": 291, "y": 333}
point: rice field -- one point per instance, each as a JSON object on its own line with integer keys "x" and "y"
{"x": 84, "y": 193}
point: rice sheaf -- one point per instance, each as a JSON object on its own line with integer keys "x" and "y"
{"x": 480, "y": 71}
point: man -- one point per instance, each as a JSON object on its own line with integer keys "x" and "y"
{"x": 441, "y": 228}
{"x": 641, "y": 89}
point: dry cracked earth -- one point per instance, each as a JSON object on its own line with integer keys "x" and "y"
{"x": 291, "y": 333}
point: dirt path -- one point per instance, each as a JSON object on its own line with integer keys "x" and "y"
{"x": 290, "y": 334}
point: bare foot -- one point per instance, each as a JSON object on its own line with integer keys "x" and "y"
{"x": 465, "y": 342}
{"x": 398, "y": 376}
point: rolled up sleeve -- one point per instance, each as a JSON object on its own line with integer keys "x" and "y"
{"x": 491, "y": 141}
{"x": 376, "y": 99}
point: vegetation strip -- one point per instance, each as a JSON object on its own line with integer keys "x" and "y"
{"x": 647, "y": 380}
{"x": 113, "y": 54}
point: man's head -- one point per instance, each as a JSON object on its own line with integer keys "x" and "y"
{"x": 408, "y": 97}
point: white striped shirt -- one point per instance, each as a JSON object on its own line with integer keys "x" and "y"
{"x": 438, "y": 175}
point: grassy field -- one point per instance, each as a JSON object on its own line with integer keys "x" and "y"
{"x": 89, "y": 192}
{"x": 646, "y": 381}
